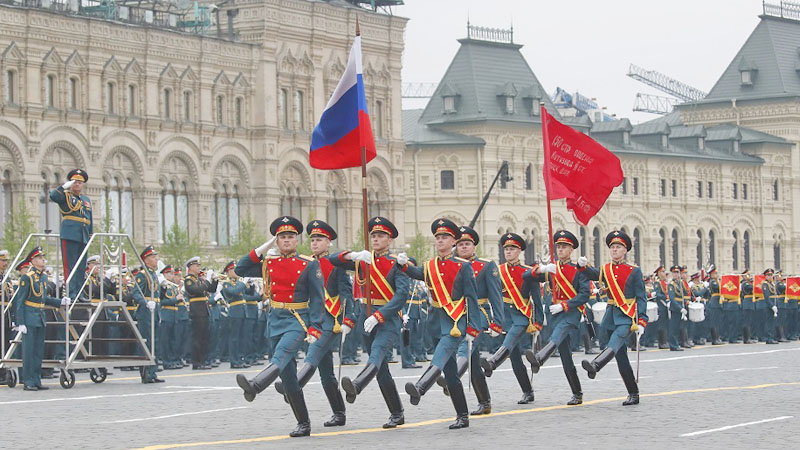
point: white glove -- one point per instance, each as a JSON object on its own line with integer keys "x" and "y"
{"x": 775, "y": 310}
{"x": 346, "y": 330}
{"x": 639, "y": 332}
{"x": 209, "y": 275}
{"x": 363, "y": 255}
{"x": 65, "y": 301}
{"x": 705, "y": 283}
{"x": 218, "y": 297}
{"x": 68, "y": 184}
{"x": 151, "y": 305}
{"x": 273, "y": 252}
{"x": 652, "y": 295}
{"x": 555, "y": 309}
{"x": 583, "y": 261}
{"x": 405, "y": 319}
{"x": 23, "y": 329}
{"x": 683, "y": 314}
{"x": 683, "y": 311}
{"x": 698, "y": 299}
{"x": 552, "y": 268}
{"x": 595, "y": 291}
{"x": 402, "y": 259}
{"x": 469, "y": 338}
{"x": 583, "y": 318}
{"x": 691, "y": 284}
{"x": 493, "y": 333}
{"x": 263, "y": 248}
{"x": 370, "y": 324}
{"x": 260, "y": 305}
{"x": 311, "y": 339}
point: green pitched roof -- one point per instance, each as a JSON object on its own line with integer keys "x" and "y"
{"x": 481, "y": 74}
{"x": 772, "y": 52}
{"x": 416, "y": 133}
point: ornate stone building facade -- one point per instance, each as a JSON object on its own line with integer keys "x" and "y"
{"x": 711, "y": 182}
{"x": 175, "y": 127}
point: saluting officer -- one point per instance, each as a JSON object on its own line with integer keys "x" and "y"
{"x": 76, "y": 225}
{"x": 451, "y": 281}
{"x": 627, "y": 313}
{"x": 389, "y": 289}
{"x": 571, "y": 291}
{"x": 522, "y": 313}
{"x": 198, "y": 289}
{"x": 296, "y": 290}
{"x": 30, "y": 300}
{"x": 337, "y": 321}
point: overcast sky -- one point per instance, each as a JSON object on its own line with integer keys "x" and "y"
{"x": 587, "y": 45}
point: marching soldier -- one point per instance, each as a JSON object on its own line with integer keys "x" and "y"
{"x": 30, "y": 300}
{"x": 522, "y": 313}
{"x": 297, "y": 295}
{"x": 663, "y": 296}
{"x": 451, "y": 281}
{"x": 770, "y": 319}
{"x": 236, "y": 295}
{"x": 677, "y": 313}
{"x": 627, "y": 314}
{"x": 570, "y": 293}
{"x": 748, "y": 310}
{"x": 731, "y": 319}
{"x": 699, "y": 330}
{"x": 198, "y": 290}
{"x": 148, "y": 316}
{"x": 76, "y": 225}
{"x": 686, "y": 292}
{"x": 388, "y": 293}
{"x": 337, "y": 321}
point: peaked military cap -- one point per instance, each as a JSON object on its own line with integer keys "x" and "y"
{"x": 78, "y": 175}
{"x": 383, "y": 225}
{"x": 320, "y": 228}
{"x": 513, "y": 240}
{"x": 619, "y": 237}
{"x": 675, "y": 269}
{"x": 193, "y": 260}
{"x": 167, "y": 269}
{"x": 695, "y": 276}
{"x": 565, "y": 237}
{"x": 658, "y": 269}
{"x": 445, "y": 226}
{"x": 4, "y": 255}
{"x": 149, "y": 250}
{"x": 229, "y": 266}
{"x": 286, "y": 224}
{"x": 769, "y": 272}
{"x": 37, "y": 251}
{"x": 469, "y": 234}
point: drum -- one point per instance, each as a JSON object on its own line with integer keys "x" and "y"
{"x": 598, "y": 310}
{"x": 652, "y": 311}
{"x": 697, "y": 312}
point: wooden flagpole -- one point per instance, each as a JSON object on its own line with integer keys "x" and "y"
{"x": 365, "y": 213}
{"x": 546, "y": 142}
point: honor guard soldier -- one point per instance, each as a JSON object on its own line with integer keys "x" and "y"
{"x": 337, "y": 321}
{"x": 490, "y": 305}
{"x": 664, "y": 295}
{"x": 522, "y": 313}
{"x": 686, "y": 339}
{"x": 677, "y": 312}
{"x": 6, "y": 377}
{"x": 198, "y": 290}
{"x": 783, "y": 307}
{"x": 389, "y": 289}
{"x": 627, "y": 313}
{"x": 451, "y": 281}
{"x": 714, "y": 306}
{"x": 770, "y": 316}
{"x": 791, "y": 289}
{"x": 571, "y": 291}
{"x": 148, "y": 314}
{"x": 749, "y": 323}
{"x": 170, "y": 296}
{"x": 236, "y": 295}
{"x": 76, "y": 225}
{"x": 30, "y": 301}
{"x": 296, "y": 290}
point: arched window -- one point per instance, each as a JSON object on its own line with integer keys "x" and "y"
{"x": 11, "y": 87}
{"x": 582, "y": 233}
{"x": 299, "y": 121}
{"x": 283, "y": 111}
{"x": 746, "y": 247}
{"x": 238, "y": 112}
{"x": 596, "y": 246}
{"x": 735, "y": 250}
{"x": 226, "y": 215}
{"x": 675, "y": 247}
{"x": 187, "y": 106}
{"x": 637, "y": 247}
{"x": 49, "y": 214}
{"x": 662, "y": 248}
{"x": 776, "y": 255}
{"x": 221, "y": 216}
{"x": 712, "y": 247}
{"x": 292, "y": 204}
{"x": 173, "y": 208}
{"x": 116, "y": 203}
{"x": 699, "y": 249}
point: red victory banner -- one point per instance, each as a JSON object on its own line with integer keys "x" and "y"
{"x": 793, "y": 288}
{"x": 577, "y": 168}
{"x": 758, "y": 281}
{"x": 730, "y": 287}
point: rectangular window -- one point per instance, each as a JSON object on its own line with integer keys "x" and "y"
{"x": 131, "y": 100}
{"x": 624, "y": 185}
{"x": 626, "y": 136}
{"x": 699, "y": 189}
{"x": 664, "y": 140}
{"x": 238, "y": 112}
{"x": 448, "y": 180}
{"x": 735, "y": 191}
{"x": 167, "y": 104}
{"x": 11, "y": 86}
{"x": 744, "y": 191}
{"x": 187, "y": 106}
{"x": 674, "y": 188}
{"x": 378, "y": 119}
{"x": 220, "y": 108}
{"x": 73, "y": 93}
{"x": 529, "y": 177}
{"x": 111, "y": 101}
{"x": 746, "y": 79}
{"x": 50, "y": 91}
{"x": 449, "y": 104}
{"x": 298, "y": 110}
{"x": 635, "y": 185}
{"x": 775, "y": 190}
{"x": 710, "y": 190}
{"x": 283, "y": 112}
{"x": 509, "y": 105}
{"x": 663, "y": 187}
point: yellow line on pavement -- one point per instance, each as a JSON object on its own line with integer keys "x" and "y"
{"x": 450, "y": 419}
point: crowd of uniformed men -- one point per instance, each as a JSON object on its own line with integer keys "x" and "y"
{"x": 469, "y": 313}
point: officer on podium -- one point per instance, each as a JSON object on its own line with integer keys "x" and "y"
{"x": 76, "y": 226}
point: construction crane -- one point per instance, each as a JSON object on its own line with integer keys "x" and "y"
{"x": 654, "y": 104}
{"x": 663, "y": 83}
{"x": 418, "y": 90}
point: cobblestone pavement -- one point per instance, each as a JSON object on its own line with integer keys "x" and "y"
{"x": 694, "y": 393}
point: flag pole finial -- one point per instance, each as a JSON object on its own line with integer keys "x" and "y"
{"x": 358, "y": 28}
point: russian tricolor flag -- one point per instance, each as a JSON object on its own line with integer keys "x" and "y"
{"x": 344, "y": 126}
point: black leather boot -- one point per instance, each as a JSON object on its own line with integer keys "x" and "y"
{"x": 418, "y": 389}
{"x": 525, "y": 385}
{"x": 460, "y": 405}
{"x": 260, "y": 382}
{"x": 715, "y": 339}
{"x": 337, "y": 405}
{"x": 598, "y": 362}
{"x": 781, "y": 334}
{"x": 630, "y": 385}
{"x": 662, "y": 339}
{"x": 494, "y": 361}
{"x": 303, "y": 377}
{"x": 481, "y": 393}
{"x": 298, "y": 403}
{"x": 354, "y": 387}
{"x": 461, "y": 367}
{"x": 587, "y": 345}
{"x": 575, "y": 386}
{"x": 538, "y": 359}
{"x": 392, "y": 399}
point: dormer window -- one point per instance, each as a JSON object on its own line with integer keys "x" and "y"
{"x": 747, "y": 77}
{"x": 626, "y": 137}
{"x": 449, "y": 104}
{"x": 506, "y": 94}
{"x": 735, "y": 146}
{"x": 664, "y": 141}
{"x": 748, "y": 71}
{"x": 701, "y": 143}
{"x": 509, "y": 105}
{"x": 449, "y": 95}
